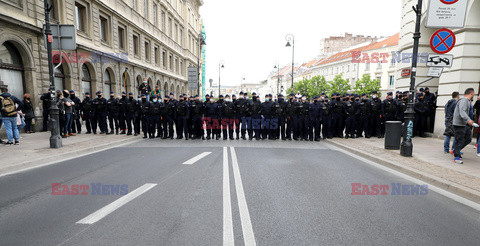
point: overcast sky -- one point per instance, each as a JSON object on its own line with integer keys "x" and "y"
{"x": 249, "y": 35}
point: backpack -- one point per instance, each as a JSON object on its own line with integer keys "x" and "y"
{"x": 8, "y": 106}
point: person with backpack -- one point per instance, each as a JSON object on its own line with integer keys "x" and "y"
{"x": 9, "y": 115}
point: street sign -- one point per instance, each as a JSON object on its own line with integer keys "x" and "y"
{"x": 443, "y": 41}
{"x": 406, "y": 72}
{"x": 192, "y": 79}
{"x": 435, "y": 72}
{"x": 446, "y": 13}
{"x": 62, "y": 38}
{"x": 436, "y": 60}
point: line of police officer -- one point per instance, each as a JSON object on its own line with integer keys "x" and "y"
{"x": 349, "y": 116}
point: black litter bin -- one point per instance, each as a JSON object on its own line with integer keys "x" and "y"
{"x": 393, "y": 134}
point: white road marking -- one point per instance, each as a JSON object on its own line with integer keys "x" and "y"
{"x": 248, "y": 236}
{"x": 196, "y": 158}
{"x": 440, "y": 191}
{"x": 99, "y": 214}
{"x": 227, "y": 203}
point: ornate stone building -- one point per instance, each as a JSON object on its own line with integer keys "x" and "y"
{"x": 119, "y": 42}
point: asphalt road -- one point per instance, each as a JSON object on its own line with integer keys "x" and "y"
{"x": 229, "y": 192}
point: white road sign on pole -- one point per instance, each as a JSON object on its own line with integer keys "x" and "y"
{"x": 438, "y": 60}
{"x": 192, "y": 79}
{"x": 446, "y": 13}
{"x": 435, "y": 72}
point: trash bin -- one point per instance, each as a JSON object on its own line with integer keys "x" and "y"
{"x": 393, "y": 134}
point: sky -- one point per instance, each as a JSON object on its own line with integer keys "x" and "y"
{"x": 248, "y": 36}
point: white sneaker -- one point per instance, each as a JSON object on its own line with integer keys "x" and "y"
{"x": 478, "y": 154}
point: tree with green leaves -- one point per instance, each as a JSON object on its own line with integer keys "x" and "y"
{"x": 366, "y": 85}
{"x": 302, "y": 86}
{"x": 317, "y": 86}
{"x": 339, "y": 85}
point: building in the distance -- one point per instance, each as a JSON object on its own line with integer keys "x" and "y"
{"x": 335, "y": 44}
{"x": 118, "y": 43}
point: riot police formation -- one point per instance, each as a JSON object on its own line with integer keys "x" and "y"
{"x": 296, "y": 118}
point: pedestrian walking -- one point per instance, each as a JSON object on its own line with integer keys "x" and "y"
{"x": 462, "y": 123}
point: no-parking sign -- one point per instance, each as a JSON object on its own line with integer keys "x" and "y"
{"x": 443, "y": 41}
{"x": 446, "y": 13}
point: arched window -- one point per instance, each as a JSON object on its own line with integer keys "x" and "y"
{"x": 125, "y": 82}
{"x": 108, "y": 82}
{"x": 86, "y": 80}
{"x": 59, "y": 78}
{"x": 165, "y": 88}
{"x": 11, "y": 69}
{"x": 139, "y": 82}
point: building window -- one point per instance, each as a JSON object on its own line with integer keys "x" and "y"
{"x": 171, "y": 63}
{"x": 136, "y": 45}
{"x": 176, "y": 33}
{"x": 177, "y": 70}
{"x": 134, "y": 4}
{"x": 348, "y": 68}
{"x": 164, "y": 59}
{"x": 81, "y": 17}
{"x": 11, "y": 69}
{"x": 391, "y": 82}
{"x": 108, "y": 82}
{"x": 53, "y": 12}
{"x": 59, "y": 78}
{"x": 86, "y": 79}
{"x": 367, "y": 66}
{"x": 163, "y": 21}
{"x": 145, "y": 9}
{"x": 121, "y": 38}
{"x": 157, "y": 56}
{"x": 180, "y": 8}
{"x": 155, "y": 15}
{"x": 170, "y": 27}
{"x": 147, "y": 51}
{"x": 181, "y": 37}
{"x": 104, "y": 29}
{"x": 379, "y": 65}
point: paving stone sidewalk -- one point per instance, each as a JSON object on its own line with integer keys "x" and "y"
{"x": 429, "y": 163}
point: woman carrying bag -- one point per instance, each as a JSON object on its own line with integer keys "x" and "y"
{"x": 28, "y": 113}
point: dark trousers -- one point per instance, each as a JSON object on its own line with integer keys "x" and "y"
{"x": 88, "y": 118}
{"x": 154, "y": 125}
{"x": 266, "y": 127}
{"x": 113, "y": 121}
{"x": 254, "y": 126}
{"x": 363, "y": 126}
{"x": 145, "y": 120}
{"x": 337, "y": 124}
{"x": 350, "y": 124}
{"x": 197, "y": 126}
{"x": 100, "y": 119}
{"x": 137, "y": 124}
{"x": 182, "y": 127}
{"x": 290, "y": 127}
{"x": 281, "y": 127}
{"x": 243, "y": 125}
{"x": 314, "y": 128}
{"x": 463, "y": 137}
{"x": 121, "y": 121}
{"x": 28, "y": 125}
{"x": 76, "y": 124}
{"x": 46, "y": 114}
{"x": 236, "y": 125}
{"x": 376, "y": 125}
{"x": 227, "y": 126}
{"x": 168, "y": 127}
{"x": 419, "y": 123}
{"x": 130, "y": 118}
{"x": 327, "y": 126}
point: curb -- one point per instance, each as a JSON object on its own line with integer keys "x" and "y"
{"x": 63, "y": 157}
{"x": 452, "y": 187}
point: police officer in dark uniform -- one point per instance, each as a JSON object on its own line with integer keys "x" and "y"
{"x": 255, "y": 124}
{"x": 113, "y": 109}
{"x": 87, "y": 112}
{"x": 154, "y": 123}
{"x": 131, "y": 112}
{"x": 122, "y": 111}
{"x": 266, "y": 110}
{"x": 389, "y": 108}
{"x": 77, "y": 108}
{"x": 46, "y": 102}
{"x": 365, "y": 111}
{"x": 420, "y": 115}
{"x": 290, "y": 116}
{"x": 138, "y": 117}
{"x": 376, "y": 119}
{"x": 326, "y": 118}
{"x": 281, "y": 114}
{"x": 100, "y": 114}
{"x": 144, "y": 113}
{"x": 315, "y": 119}
{"x": 182, "y": 114}
{"x": 352, "y": 111}
{"x": 338, "y": 110}
{"x": 241, "y": 111}
{"x": 402, "y": 106}
{"x": 236, "y": 118}
{"x": 211, "y": 116}
{"x": 228, "y": 118}
{"x": 196, "y": 110}
{"x": 168, "y": 115}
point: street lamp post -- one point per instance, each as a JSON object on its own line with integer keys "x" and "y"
{"x": 289, "y": 38}
{"x": 55, "y": 139}
{"x": 278, "y": 76}
{"x": 202, "y": 38}
{"x": 220, "y": 66}
{"x": 407, "y": 146}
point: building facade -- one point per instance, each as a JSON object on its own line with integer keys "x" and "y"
{"x": 335, "y": 44}
{"x": 465, "y": 72}
{"x": 118, "y": 43}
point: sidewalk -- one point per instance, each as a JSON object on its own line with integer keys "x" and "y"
{"x": 429, "y": 163}
{"x": 34, "y": 149}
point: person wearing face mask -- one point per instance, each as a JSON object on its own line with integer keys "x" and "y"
{"x": 338, "y": 120}
{"x": 196, "y": 111}
{"x": 68, "y": 105}
{"x": 182, "y": 113}
{"x": 211, "y": 117}
{"x": 228, "y": 114}
{"x": 402, "y": 106}
{"x": 29, "y": 113}
{"x": 254, "y": 126}
{"x": 290, "y": 116}
{"x": 389, "y": 110}
{"x": 430, "y": 100}
{"x": 299, "y": 120}
{"x": 351, "y": 110}
{"x": 326, "y": 118}
{"x": 281, "y": 115}
{"x": 266, "y": 112}
{"x": 315, "y": 119}
{"x": 168, "y": 115}
{"x": 76, "y": 124}
{"x": 113, "y": 109}
{"x": 137, "y": 123}
{"x": 420, "y": 109}
{"x": 145, "y": 89}
{"x": 144, "y": 113}
{"x": 154, "y": 122}
{"x": 87, "y": 112}
{"x": 99, "y": 114}
{"x": 241, "y": 114}
{"x": 236, "y": 119}
{"x": 365, "y": 111}
{"x": 131, "y": 112}
{"x": 376, "y": 119}
{"x": 122, "y": 111}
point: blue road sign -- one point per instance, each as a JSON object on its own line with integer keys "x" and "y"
{"x": 442, "y": 41}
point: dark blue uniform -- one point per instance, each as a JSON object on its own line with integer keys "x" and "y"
{"x": 168, "y": 115}
{"x": 351, "y": 111}
{"x": 255, "y": 122}
{"x": 211, "y": 118}
{"x": 100, "y": 115}
{"x": 377, "y": 118}
{"x": 327, "y": 120}
{"x": 338, "y": 109}
{"x": 365, "y": 112}
{"x": 145, "y": 115}
{"x": 131, "y": 107}
{"x": 182, "y": 113}
{"x": 113, "y": 109}
{"x": 241, "y": 111}
{"x": 155, "y": 123}
{"x": 315, "y": 120}
{"x": 87, "y": 113}
{"x": 267, "y": 111}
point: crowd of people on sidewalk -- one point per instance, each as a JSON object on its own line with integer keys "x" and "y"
{"x": 16, "y": 115}
{"x": 461, "y": 117}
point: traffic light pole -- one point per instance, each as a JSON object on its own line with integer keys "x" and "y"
{"x": 406, "y": 148}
